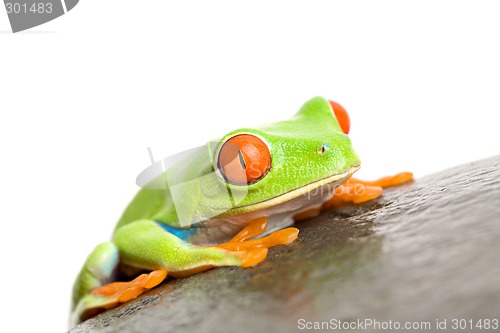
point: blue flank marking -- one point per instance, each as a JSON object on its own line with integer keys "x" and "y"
{"x": 183, "y": 234}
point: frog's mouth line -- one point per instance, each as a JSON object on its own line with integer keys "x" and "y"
{"x": 297, "y": 192}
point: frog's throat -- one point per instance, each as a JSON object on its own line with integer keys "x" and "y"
{"x": 285, "y": 197}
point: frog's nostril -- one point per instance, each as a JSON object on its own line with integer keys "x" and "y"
{"x": 321, "y": 150}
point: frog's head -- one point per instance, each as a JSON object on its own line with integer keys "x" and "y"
{"x": 287, "y": 158}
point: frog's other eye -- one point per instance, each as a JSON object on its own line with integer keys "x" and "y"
{"x": 244, "y": 159}
{"x": 342, "y": 116}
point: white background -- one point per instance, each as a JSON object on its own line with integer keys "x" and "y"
{"x": 82, "y": 97}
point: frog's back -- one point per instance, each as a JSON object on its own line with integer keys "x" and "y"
{"x": 151, "y": 204}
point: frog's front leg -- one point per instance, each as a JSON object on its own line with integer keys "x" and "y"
{"x": 359, "y": 191}
{"x": 145, "y": 245}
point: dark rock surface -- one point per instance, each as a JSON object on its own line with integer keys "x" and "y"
{"x": 425, "y": 251}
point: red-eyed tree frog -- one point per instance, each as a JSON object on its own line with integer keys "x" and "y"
{"x": 275, "y": 175}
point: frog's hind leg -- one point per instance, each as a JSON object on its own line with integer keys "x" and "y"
{"x": 94, "y": 290}
{"x": 243, "y": 241}
{"x": 148, "y": 245}
{"x": 359, "y": 191}
{"x": 101, "y": 267}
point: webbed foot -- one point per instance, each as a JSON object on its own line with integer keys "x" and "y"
{"x": 120, "y": 292}
{"x": 243, "y": 242}
{"x": 111, "y": 295}
{"x": 359, "y": 191}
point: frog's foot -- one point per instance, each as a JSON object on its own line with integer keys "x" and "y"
{"x": 355, "y": 193}
{"x": 120, "y": 292}
{"x": 111, "y": 295}
{"x": 385, "y": 182}
{"x": 306, "y": 214}
{"x": 280, "y": 237}
{"x": 255, "y": 228}
{"x": 125, "y": 291}
{"x": 359, "y": 191}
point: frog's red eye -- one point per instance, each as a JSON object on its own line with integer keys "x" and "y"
{"x": 244, "y": 159}
{"x": 342, "y": 116}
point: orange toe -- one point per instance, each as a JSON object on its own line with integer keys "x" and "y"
{"x": 281, "y": 237}
{"x": 110, "y": 289}
{"x": 369, "y": 193}
{"x": 253, "y": 257}
{"x": 254, "y": 228}
{"x": 155, "y": 278}
{"x": 401, "y": 178}
{"x": 130, "y": 293}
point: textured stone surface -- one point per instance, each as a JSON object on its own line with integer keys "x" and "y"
{"x": 426, "y": 250}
